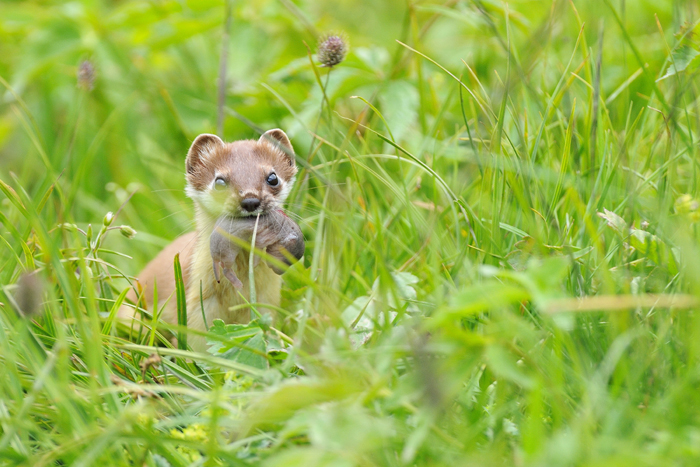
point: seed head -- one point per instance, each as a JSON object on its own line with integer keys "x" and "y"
{"x": 29, "y": 294}
{"x": 107, "y": 221}
{"x": 69, "y": 227}
{"x": 86, "y": 75}
{"x": 152, "y": 361}
{"x": 332, "y": 49}
{"x": 127, "y": 231}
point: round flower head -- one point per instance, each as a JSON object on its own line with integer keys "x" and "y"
{"x": 29, "y": 294}
{"x": 332, "y": 50}
{"x": 86, "y": 75}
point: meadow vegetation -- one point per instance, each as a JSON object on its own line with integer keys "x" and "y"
{"x": 500, "y": 204}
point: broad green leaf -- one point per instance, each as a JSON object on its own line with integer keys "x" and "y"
{"x": 683, "y": 59}
{"x": 399, "y": 103}
{"x": 479, "y": 298}
{"x": 243, "y": 343}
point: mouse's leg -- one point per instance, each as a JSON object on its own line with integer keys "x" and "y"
{"x": 256, "y": 260}
{"x": 231, "y": 276}
{"x": 276, "y": 252}
{"x": 216, "y": 272}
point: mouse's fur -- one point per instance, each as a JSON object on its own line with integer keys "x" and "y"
{"x": 276, "y": 234}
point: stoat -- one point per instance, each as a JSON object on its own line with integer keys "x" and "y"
{"x": 239, "y": 179}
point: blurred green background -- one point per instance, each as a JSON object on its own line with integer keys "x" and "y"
{"x": 156, "y": 67}
{"x": 500, "y": 203}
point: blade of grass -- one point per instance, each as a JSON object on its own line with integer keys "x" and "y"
{"x": 181, "y": 304}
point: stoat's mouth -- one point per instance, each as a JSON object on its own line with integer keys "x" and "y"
{"x": 244, "y": 213}
{"x": 240, "y": 212}
{"x": 236, "y": 210}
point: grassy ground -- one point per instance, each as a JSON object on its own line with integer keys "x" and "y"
{"x": 501, "y": 219}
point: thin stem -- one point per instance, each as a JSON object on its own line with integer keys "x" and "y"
{"x": 325, "y": 101}
{"x": 222, "y": 72}
{"x": 251, "y": 273}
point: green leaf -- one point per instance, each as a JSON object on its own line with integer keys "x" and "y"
{"x": 682, "y": 59}
{"x": 614, "y": 221}
{"x": 481, "y": 297}
{"x": 245, "y": 354}
{"x": 405, "y": 282}
{"x": 160, "y": 461}
{"x": 362, "y": 313}
{"x": 400, "y": 107}
{"x": 242, "y": 343}
{"x": 654, "y": 249}
{"x": 358, "y": 316}
{"x": 645, "y": 243}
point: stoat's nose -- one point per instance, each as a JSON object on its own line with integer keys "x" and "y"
{"x": 250, "y": 204}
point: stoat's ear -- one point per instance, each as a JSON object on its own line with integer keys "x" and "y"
{"x": 202, "y": 147}
{"x": 279, "y": 138}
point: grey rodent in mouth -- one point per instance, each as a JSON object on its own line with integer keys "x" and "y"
{"x": 276, "y": 232}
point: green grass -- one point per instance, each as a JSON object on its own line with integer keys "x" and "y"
{"x": 501, "y": 216}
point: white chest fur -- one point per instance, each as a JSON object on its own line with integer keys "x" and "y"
{"x": 215, "y": 300}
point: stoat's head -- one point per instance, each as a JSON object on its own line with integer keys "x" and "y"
{"x": 242, "y": 178}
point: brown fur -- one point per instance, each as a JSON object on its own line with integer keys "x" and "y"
{"x": 245, "y": 166}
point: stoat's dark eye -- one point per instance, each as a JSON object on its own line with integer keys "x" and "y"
{"x": 219, "y": 183}
{"x": 272, "y": 179}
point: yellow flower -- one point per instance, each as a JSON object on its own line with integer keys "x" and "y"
{"x": 194, "y": 432}
{"x": 687, "y": 206}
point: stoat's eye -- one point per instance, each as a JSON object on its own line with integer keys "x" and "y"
{"x": 272, "y": 179}
{"x": 219, "y": 183}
